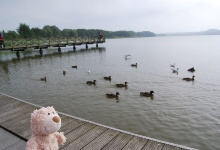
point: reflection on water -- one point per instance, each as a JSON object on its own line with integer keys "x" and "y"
{"x": 180, "y": 112}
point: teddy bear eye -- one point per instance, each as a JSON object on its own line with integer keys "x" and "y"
{"x": 48, "y": 113}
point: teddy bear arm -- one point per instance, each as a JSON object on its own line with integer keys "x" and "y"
{"x": 31, "y": 145}
{"x": 60, "y": 137}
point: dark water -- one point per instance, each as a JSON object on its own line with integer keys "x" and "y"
{"x": 185, "y": 113}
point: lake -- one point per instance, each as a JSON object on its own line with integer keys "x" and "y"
{"x": 180, "y": 112}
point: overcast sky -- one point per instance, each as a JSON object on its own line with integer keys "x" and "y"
{"x": 158, "y": 16}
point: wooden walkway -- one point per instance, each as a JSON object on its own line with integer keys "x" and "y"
{"x": 81, "y": 134}
{"x": 23, "y": 44}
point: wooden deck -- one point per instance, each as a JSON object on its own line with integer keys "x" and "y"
{"x": 81, "y": 134}
{"x": 22, "y": 44}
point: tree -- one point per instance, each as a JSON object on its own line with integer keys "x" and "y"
{"x": 37, "y": 33}
{"x": 11, "y": 35}
{"x": 24, "y": 31}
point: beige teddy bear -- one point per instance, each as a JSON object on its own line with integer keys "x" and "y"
{"x": 45, "y": 123}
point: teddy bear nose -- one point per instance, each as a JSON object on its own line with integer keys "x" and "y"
{"x": 56, "y": 119}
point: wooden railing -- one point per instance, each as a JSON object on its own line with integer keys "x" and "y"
{"x": 23, "y": 44}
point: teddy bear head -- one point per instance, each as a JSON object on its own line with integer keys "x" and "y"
{"x": 45, "y": 121}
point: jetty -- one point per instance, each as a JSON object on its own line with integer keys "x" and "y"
{"x": 15, "y": 115}
{"x": 45, "y": 43}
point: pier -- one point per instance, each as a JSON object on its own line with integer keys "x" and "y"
{"x": 44, "y": 43}
{"x": 15, "y": 115}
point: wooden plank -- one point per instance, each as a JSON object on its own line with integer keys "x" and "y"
{"x": 17, "y": 109}
{"x": 153, "y": 145}
{"x": 76, "y": 133}
{"x": 170, "y": 147}
{"x": 65, "y": 121}
{"x": 16, "y": 114}
{"x": 85, "y": 139}
{"x": 71, "y": 126}
{"x": 4, "y": 101}
{"x": 10, "y": 106}
{"x": 102, "y": 140}
{"x": 118, "y": 142}
{"x": 136, "y": 143}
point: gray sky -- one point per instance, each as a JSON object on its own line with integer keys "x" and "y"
{"x": 158, "y": 16}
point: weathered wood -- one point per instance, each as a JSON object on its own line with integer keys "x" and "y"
{"x": 85, "y": 139}
{"x": 71, "y": 136}
{"x": 136, "y": 143}
{"x": 118, "y": 142}
{"x": 102, "y": 140}
{"x": 22, "y": 44}
{"x": 153, "y": 145}
{"x": 15, "y": 116}
{"x": 170, "y": 147}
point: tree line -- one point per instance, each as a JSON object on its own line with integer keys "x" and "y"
{"x": 24, "y": 31}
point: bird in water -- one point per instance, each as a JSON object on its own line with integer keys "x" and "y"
{"x": 175, "y": 70}
{"x": 74, "y": 67}
{"x": 91, "y": 82}
{"x": 147, "y": 94}
{"x": 172, "y": 65}
{"x": 64, "y": 72}
{"x": 107, "y": 78}
{"x": 189, "y": 79}
{"x": 127, "y": 56}
{"x": 191, "y": 69}
{"x": 134, "y": 65}
{"x": 43, "y": 79}
{"x": 89, "y": 72}
{"x": 122, "y": 85}
{"x": 113, "y": 95}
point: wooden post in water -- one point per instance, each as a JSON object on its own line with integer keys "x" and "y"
{"x": 86, "y": 46}
{"x": 74, "y": 47}
{"x": 18, "y": 54}
{"x": 59, "y": 50}
{"x": 97, "y": 46}
{"x": 41, "y": 51}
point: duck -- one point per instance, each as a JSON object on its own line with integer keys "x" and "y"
{"x": 43, "y": 79}
{"x": 134, "y": 65}
{"x": 91, "y": 82}
{"x": 113, "y": 95}
{"x": 64, "y": 72}
{"x": 189, "y": 79}
{"x": 107, "y": 78}
{"x": 74, "y": 67}
{"x": 89, "y": 72}
{"x": 122, "y": 85}
{"x": 191, "y": 69}
{"x": 147, "y": 94}
{"x": 172, "y": 65}
{"x": 175, "y": 71}
{"x": 127, "y": 56}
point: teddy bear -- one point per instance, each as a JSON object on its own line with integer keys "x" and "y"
{"x": 45, "y": 123}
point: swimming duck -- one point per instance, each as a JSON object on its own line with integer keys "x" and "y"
{"x": 107, "y": 78}
{"x": 74, "y": 67}
{"x": 91, "y": 82}
{"x": 127, "y": 56}
{"x": 113, "y": 95}
{"x": 172, "y": 65}
{"x": 175, "y": 71}
{"x": 191, "y": 69}
{"x": 122, "y": 85}
{"x": 64, "y": 72}
{"x": 43, "y": 79}
{"x": 147, "y": 94}
{"x": 134, "y": 65}
{"x": 189, "y": 79}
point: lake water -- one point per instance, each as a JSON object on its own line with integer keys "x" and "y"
{"x": 181, "y": 112}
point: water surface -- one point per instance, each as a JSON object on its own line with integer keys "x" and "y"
{"x": 185, "y": 113}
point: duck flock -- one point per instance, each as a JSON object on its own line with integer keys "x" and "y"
{"x": 125, "y": 84}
